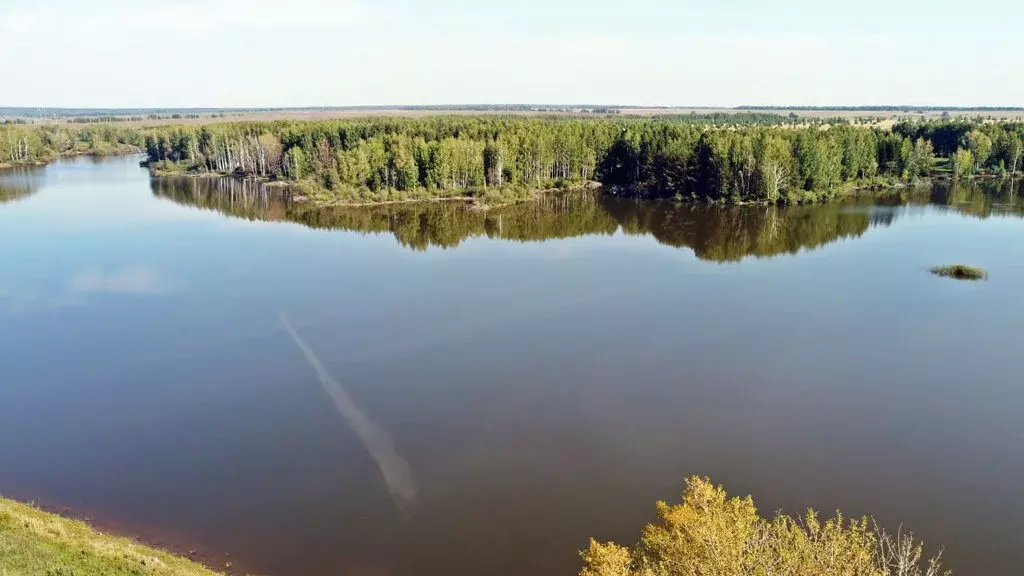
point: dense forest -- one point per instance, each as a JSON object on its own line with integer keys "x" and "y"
{"x": 744, "y": 161}
{"x": 746, "y": 157}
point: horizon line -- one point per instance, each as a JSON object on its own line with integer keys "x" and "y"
{"x": 471, "y": 106}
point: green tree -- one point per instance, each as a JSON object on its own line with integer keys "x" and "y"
{"x": 1010, "y": 149}
{"x": 919, "y": 159}
{"x": 890, "y": 153}
{"x": 775, "y": 166}
{"x": 709, "y": 165}
{"x": 980, "y": 146}
{"x": 860, "y": 154}
{"x": 493, "y": 164}
{"x": 621, "y": 165}
{"x": 402, "y": 171}
{"x": 819, "y": 161}
{"x": 296, "y": 166}
{"x": 742, "y": 167}
{"x": 962, "y": 162}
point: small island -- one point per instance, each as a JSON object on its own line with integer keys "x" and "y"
{"x": 960, "y": 272}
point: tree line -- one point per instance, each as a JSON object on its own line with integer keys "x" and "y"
{"x": 738, "y": 158}
{"x": 972, "y": 147}
{"x": 394, "y": 158}
{"x": 382, "y": 159}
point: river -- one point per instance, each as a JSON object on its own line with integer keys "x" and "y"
{"x": 434, "y": 389}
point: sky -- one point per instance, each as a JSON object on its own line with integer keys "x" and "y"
{"x": 280, "y": 53}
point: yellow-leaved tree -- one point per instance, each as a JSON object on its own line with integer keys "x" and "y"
{"x": 711, "y": 534}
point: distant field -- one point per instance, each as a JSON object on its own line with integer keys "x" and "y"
{"x": 155, "y": 117}
{"x": 330, "y": 114}
{"x": 886, "y": 114}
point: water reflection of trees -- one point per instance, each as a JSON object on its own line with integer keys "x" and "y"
{"x": 18, "y": 183}
{"x": 982, "y": 200}
{"x": 713, "y": 232}
{"x": 247, "y": 199}
{"x": 976, "y": 198}
{"x": 727, "y": 233}
{"x": 447, "y": 224}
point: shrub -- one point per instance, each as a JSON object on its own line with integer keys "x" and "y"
{"x": 712, "y": 534}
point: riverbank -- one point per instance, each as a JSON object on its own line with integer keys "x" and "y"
{"x": 33, "y": 541}
{"x": 32, "y": 164}
{"x": 436, "y": 298}
{"x": 485, "y": 199}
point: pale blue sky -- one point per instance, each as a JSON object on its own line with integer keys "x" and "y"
{"x": 146, "y": 53}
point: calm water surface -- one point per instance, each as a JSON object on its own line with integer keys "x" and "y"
{"x": 497, "y": 386}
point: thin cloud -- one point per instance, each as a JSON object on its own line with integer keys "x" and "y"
{"x": 121, "y": 18}
{"x": 139, "y": 280}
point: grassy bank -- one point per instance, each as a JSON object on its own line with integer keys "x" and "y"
{"x": 28, "y": 164}
{"x": 38, "y": 543}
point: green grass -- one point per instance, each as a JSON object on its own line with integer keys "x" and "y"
{"x": 942, "y": 166}
{"x": 960, "y": 272}
{"x": 37, "y": 543}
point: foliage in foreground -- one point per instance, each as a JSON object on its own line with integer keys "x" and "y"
{"x": 710, "y": 534}
{"x": 33, "y": 542}
{"x": 960, "y": 272}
